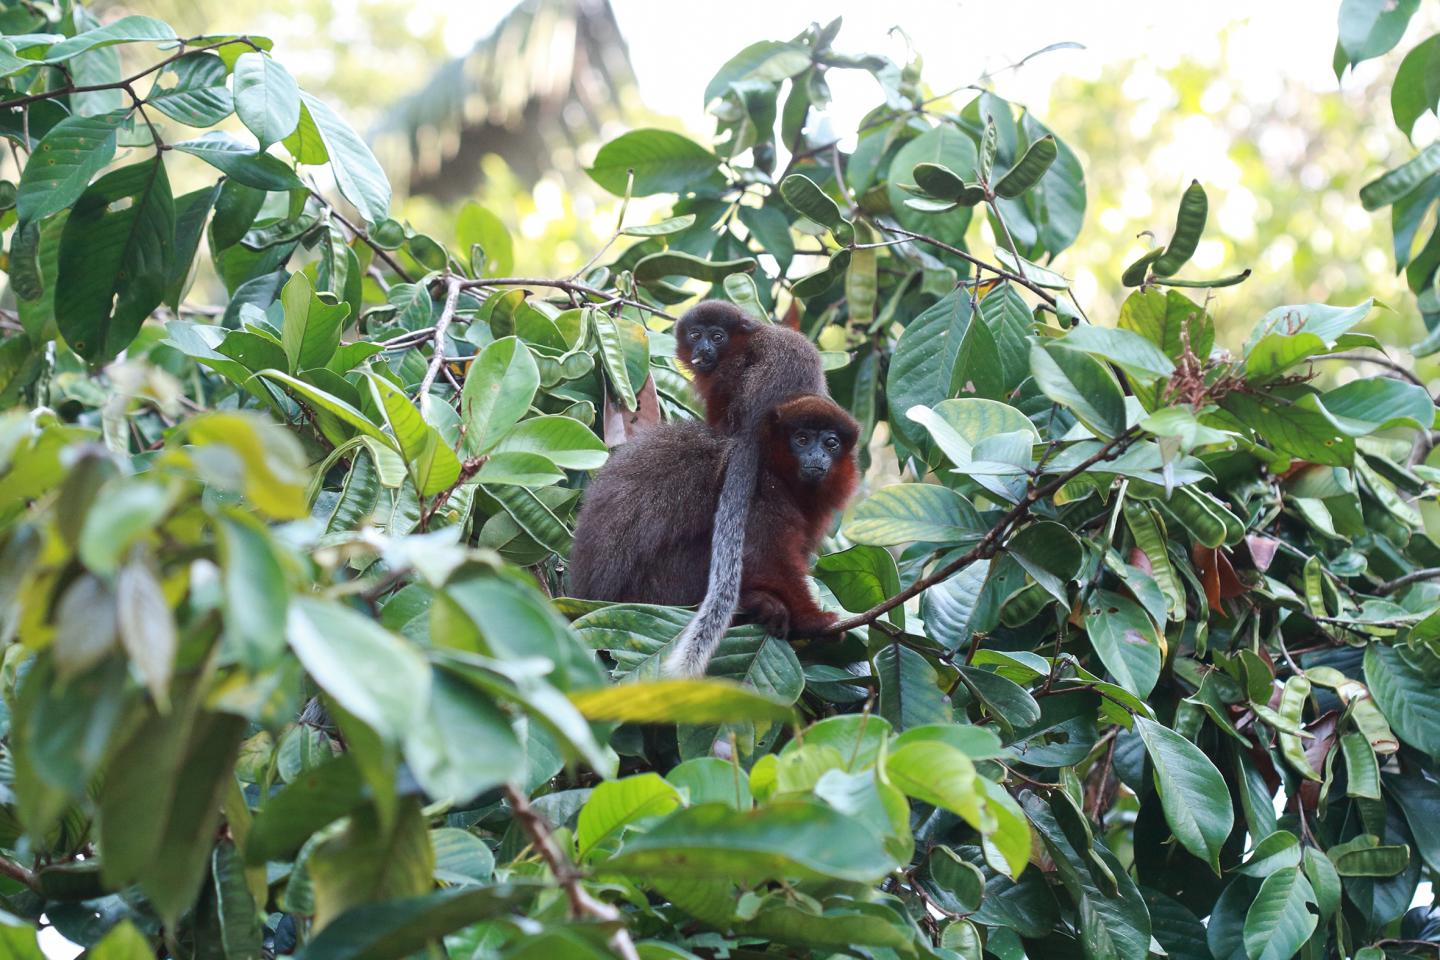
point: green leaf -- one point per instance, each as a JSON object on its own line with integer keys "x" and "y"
{"x": 662, "y": 162}
{"x": 311, "y": 332}
{"x": 463, "y": 745}
{"x": 798, "y": 839}
{"x": 1167, "y": 320}
{"x": 936, "y": 773}
{"x": 1365, "y": 856}
{"x": 199, "y": 96}
{"x": 1049, "y": 553}
{"x": 765, "y": 61}
{"x": 131, "y": 29}
{"x": 1365, "y": 406}
{"x": 432, "y": 464}
{"x": 64, "y": 160}
{"x": 945, "y": 145}
{"x": 331, "y": 404}
{"x": 147, "y": 627}
{"x": 460, "y": 856}
{"x": 115, "y": 263}
{"x": 1192, "y": 791}
{"x": 675, "y": 262}
{"x": 357, "y": 172}
{"x": 1189, "y": 224}
{"x": 616, "y": 804}
{"x": 319, "y": 797}
{"x": 373, "y": 674}
{"x": 806, "y": 198}
{"x": 1409, "y": 701}
{"x": 923, "y": 362}
{"x": 560, "y": 439}
{"x": 662, "y": 228}
{"x": 905, "y": 512}
{"x": 1029, "y": 168}
{"x": 706, "y": 700}
{"x": 910, "y": 691}
{"x": 519, "y": 468}
{"x": 1082, "y": 385}
{"x": 1279, "y": 850}
{"x": 267, "y": 99}
{"x": 1369, "y": 28}
{"x": 498, "y": 389}
{"x": 1279, "y": 921}
{"x": 1138, "y": 356}
{"x": 1125, "y": 639}
{"x": 1414, "y": 91}
{"x": 403, "y": 927}
{"x": 239, "y": 161}
{"x": 255, "y": 592}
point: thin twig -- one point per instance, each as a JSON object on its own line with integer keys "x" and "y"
{"x": 582, "y": 904}
{"x": 966, "y": 255}
{"x": 990, "y": 542}
{"x": 70, "y": 88}
{"x": 452, "y": 296}
{"x": 365, "y": 238}
{"x": 1386, "y": 362}
{"x": 1014, "y": 250}
{"x": 14, "y": 871}
{"x": 567, "y": 286}
{"x": 1414, "y": 576}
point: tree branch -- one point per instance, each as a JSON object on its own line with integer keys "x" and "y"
{"x": 452, "y": 295}
{"x": 568, "y": 286}
{"x": 364, "y": 237}
{"x": 1385, "y": 362}
{"x": 990, "y": 542}
{"x": 581, "y": 903}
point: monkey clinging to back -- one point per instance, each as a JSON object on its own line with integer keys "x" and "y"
{"x": 744, "y": 370}
{"x": 634, "y": 546}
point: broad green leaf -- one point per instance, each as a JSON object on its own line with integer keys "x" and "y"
{"x": 1365, "y": 406}
{"x": 616, "y": 804}
{"x": 199, "y": 96}
{"x": 358, "y": 174}
{"x": 1365, "y": 856}
{"x": 147, "y": 627}
{"x": 661, "y": 161}
{"x": 1369, "y": 28}
{"x": 805, "y": 197}
{"x": 1409, "y": 701}
{"x": 1279, "y": 850}
{"x": 905, "y": 512}
{"x": 1125, "y": 640}
{"x": 1279, "y": 921}
{"x": 705, "y": 700}
{"x": 1049, "y": 553}
{"x": 1082, "y": 385}
{"x": 267, "y": 99}
{"x": 432, "y": 464}
{"x": 65, "y": 159}
{"x": 240, "y": 161}
{"x": 476, "y": 226}
{"x": 463, "y": 745}
{"x": 372, "y": 673}
{"x": 1138, "y": 356}
{"x": 936, "y": 773}
{"x": 910, "y": 691}
{"x": 256, "y": 594}
{"x": 311, "y": 333}
{"x": 403, "y": 927}
{"x": 784, "y": 839}
{"x": 765, "y": 61}
{"x": 1321, "y": 319}
{"x": 333, "y": 405}
{"x": 1170, "y": 320}
{"x": 115, "y": 262}
{"x": 130, "y": 29}
{"x": 923, "y": 361}
{"x": 1413, "y": 92}
{"x": 1192, "y": 791}
{"x": 461, "y": 857}
{"x": 519, "y": 469}
{"x": 947, "y": 145}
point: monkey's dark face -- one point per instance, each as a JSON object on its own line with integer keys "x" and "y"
{"x": 702, "y": 345}
{"x": 815, "y": 451}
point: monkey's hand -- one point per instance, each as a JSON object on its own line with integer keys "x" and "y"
{"x": 766, "y": 609}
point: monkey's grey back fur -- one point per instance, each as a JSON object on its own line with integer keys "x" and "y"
{"x": 784, "y": 364}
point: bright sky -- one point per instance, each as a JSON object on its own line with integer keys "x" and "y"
{"x": 676, "y": 47}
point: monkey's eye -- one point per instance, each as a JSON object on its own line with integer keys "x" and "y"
{"x": 801, "y": 440}
{"x": 694, "y": 336}
{"x": 718, "y": 336}
{"x": 832, "y": 443}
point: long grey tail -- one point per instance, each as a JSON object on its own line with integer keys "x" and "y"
{"x": 692, "y": 651}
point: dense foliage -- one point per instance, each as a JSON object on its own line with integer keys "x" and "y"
{"x": 1140, "y": 658}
